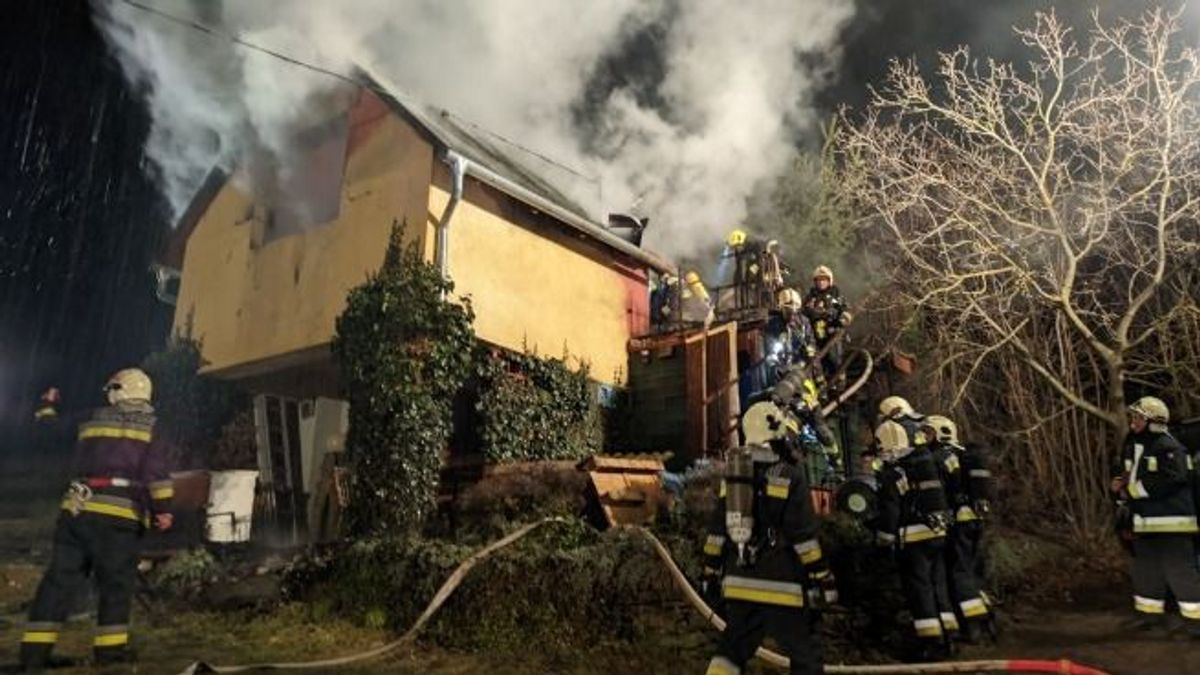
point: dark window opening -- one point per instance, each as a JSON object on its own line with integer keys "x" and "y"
{"x": 308, "y": 191}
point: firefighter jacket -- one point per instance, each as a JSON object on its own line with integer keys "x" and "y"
{"x": 826, "y": 311}
{"x": 795, "y": 338}
{"x": 912, "y": 500}
{"x": 966, "y": 480}
{"x": 1159, "y": 484}
{"x": 783, "y": 558}
{"x": 119, "y": 469}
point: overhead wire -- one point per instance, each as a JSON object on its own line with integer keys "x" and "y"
{"x": 344, "y": 77}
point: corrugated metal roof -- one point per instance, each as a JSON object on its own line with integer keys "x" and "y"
{"x": 501, "y": 167}
{"x": 473, "y": 143}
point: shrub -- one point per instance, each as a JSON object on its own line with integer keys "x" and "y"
{"x": 192, "y": 409}
{"x": 535, "y": 408}
{"x": 404, "y": 352}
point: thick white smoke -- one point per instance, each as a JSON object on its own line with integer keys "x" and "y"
{"x": 721, "y": 117}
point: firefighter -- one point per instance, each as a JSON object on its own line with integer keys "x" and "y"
{"x": 1154, "y": 476}
{"x": 47, "y": 408}
{"x": 913, "y": 520}
{"x": 797, "y": 393}
{"x": 826, "y": 311}
{"x": 757, "y": 273}
{"x": 791, "y": 336}
{"x": 968, "y": 483}
{"x": 898, "y": 409}
{"x": 763, "y": 553}
{"x": 120, "y": 484}
{"x": 665, "y": 301}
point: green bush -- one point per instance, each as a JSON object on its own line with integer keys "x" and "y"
{"x": 404, "y": 353}
{"x": 535, "y": 408}
{"x": 565, "y": 585}
{"x": 192, "y": 409}
{"x": 187, "y": 573}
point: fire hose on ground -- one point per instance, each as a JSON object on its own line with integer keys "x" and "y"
{"x": 685, "y": 587}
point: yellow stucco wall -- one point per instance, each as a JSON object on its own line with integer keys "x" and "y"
{"x": 257, "y": 308}
{"x": 246, "y": 304}
{"x": 530, "y": 289}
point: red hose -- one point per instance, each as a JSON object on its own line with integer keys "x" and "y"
{"x": 1063, "y": 666}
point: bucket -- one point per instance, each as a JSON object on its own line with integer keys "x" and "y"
{"x": 230, "y": 505}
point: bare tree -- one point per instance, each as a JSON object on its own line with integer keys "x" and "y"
{"x": 1040, "y": 225}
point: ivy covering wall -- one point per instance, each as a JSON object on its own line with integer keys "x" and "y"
{"x": 535, "y": 408}
{"x": 404, "y": 352}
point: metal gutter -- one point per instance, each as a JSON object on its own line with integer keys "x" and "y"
{"x": 570, "y": 218}
{"x": 458, "y": 168}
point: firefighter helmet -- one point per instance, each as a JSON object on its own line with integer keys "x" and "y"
{"x": 892, "y": 439}
{"x": 130, "y": 384}
{"x": 1153, "y": 409}
{"x": 894, "y": 406}
{"x": 765, "y": 422}
{"x": 789, "y": 298}
{"x": 736, "y": 238}
{"x": 823, "y": 271}
{"x": 943, "y": 428}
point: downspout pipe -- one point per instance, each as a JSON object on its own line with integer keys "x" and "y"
{"x": 458, "y": 169}
{"x": 574, "y": 220}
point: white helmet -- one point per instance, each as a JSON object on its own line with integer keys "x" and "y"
{"x": 895, "y": 406}
{"x": 943, "y": 428}
{"x": 765, "y": 422}
{"x": 1154, "y": 410}
{"x": 130, "y": 384}
{"x": 892, "y": 439}
{"x": 789, "y": 298}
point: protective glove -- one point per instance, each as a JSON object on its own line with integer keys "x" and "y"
{"x": 822, "y": 591}
{"x": 983, "y": 507}
{"x": 938, "y": 521}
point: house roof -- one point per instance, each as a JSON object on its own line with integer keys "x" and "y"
{"x": 475, "y": 144}
{"x": 487, "y": 161}
{"x": 512, "y": 173}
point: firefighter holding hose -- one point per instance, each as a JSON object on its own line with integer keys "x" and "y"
{"x": 120, "y": 486}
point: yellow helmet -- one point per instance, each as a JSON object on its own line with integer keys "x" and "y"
{"x": 789, "y": 298}
{"x": 736, "y": 238}
{"x": 1153, "y": 409}
{"x": 823, "y": 271}
{"x": 130, "y": 384}
{"x": 944, "y": 428}
{"x": 894, "y": 406}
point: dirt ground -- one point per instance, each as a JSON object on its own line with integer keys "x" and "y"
{"x": 1093, "y": 629}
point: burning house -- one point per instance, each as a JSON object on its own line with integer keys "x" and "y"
{"x": 262, "y": 280}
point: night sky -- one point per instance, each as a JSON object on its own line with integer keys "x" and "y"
{"x": 80, "y": 219}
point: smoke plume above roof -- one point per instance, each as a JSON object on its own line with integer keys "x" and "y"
{"x": 674, "y": 109}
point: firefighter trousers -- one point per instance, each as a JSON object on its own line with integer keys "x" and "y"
{"x": 794, "y": 629}
{"x": 84, "y": 545}
{"x": 962, "y": 570}
{"x": 1162, "y": 563}
{"x": 923, "y": 572}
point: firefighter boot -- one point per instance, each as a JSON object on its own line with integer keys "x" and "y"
{"x": 35, "y": 656}
{"x": 973, "y": 631}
